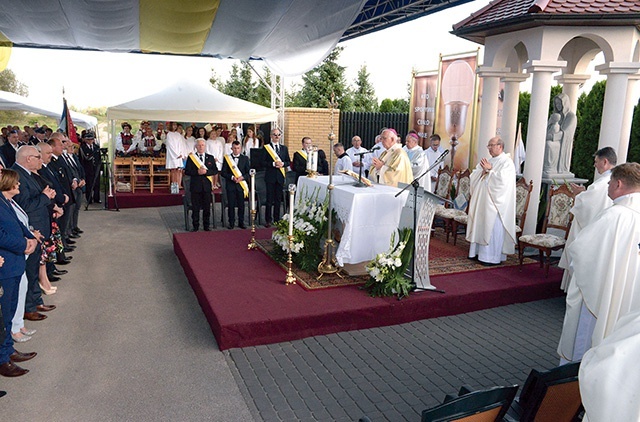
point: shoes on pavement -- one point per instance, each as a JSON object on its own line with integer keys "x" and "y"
{"x": 27, "y": 331}
{"x": 242, "y": 226}
{"x": 53, "y": 278}
{"x": 207, "y": 229}
{"x": 71, "y": 241}
{"x": 59, "y": 272}
{"x": 20, "y": 337}
{"x": 9, "y": 369}
{"x": 195, "y": 229}
{"x": 22, "y": 357}
{"x": 34, "y": 316}
{"x": 267, "y": 225}
{"x": 45, "y": 308}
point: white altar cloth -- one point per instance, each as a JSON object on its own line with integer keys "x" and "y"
{"x": 369, "y": 215}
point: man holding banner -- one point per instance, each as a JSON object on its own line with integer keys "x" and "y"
{"x": 201, "y": 167}
{"x": 235, "y": 169}
{"x": 276, "y": 161}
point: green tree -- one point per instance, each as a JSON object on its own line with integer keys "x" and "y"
{"x": 364, "y": 96}
{"x": 588, "y": 131}
{"x": 10, "y": 83}
{"x": 216, "y": 81}
{"x": 634, "y": 138}
{"x": 263, "y": 92}
{"x": 524, "y": 102}
{"x": 399, "y": 105}
{"x": 323, "y": 80}
{"x": 240, "y": 83}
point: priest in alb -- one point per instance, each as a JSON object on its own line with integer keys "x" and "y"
{"x": 588, "y": 204}
{"x": 419, "y": 162}
{"x": 605, "y": 259}
{"x": 491, "y": 228}
{"x": 393, "y": 166}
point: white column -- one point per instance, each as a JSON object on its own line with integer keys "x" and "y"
{"x": 537, "y": 131}
{"x": 488, "y": 108}
{"x": 615, "y": 102}
{"x": 510, "y": 109}
{"x": 571, "y": 86}
{"x": 623, "y": 147}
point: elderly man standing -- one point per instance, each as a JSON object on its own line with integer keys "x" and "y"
{"x": 393, "y": 166}
{"x": 419, "y": 162}
{"x": 605, "y": 258}
{"x": 358, "y": 161}
{"x": 588, "y": 204}
{"x": 492, "y": 209}
{"x": 276, "y": 161}
{"x": 433, "y": 152}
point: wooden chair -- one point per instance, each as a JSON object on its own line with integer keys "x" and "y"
{"x": 558, "y": 217}
{"x": 142, "y": 174}
{"x": 443, "y": 182}
{"x": 463, "y": 196}
{"x": 523, "y": 194}
{"x": 551, "y": 396}
{"x": 159, "y": 173}
{"x": 478, "y": 406}
{"x": 123, "y": 171}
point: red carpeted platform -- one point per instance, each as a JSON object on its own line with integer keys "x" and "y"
{"x": 246, "y": 302}
{"x": 161, "y": 197}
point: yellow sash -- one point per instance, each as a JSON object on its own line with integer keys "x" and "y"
{"x": 274, "y": 157}
{"x": 198, "y": 164}
{"x": 236, "y": 173}
{"x": 303, "y": 153}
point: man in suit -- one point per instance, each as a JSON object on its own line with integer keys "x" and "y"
{"x": 276, "y": 162}
{"x": 35, "y": 201}
{"x": 300, "y": 158}
{"x": 8, "y": 149}
{"x": 91, "y": 161}
{"x": 77, "y": 171}
{"x": 235, "y": 170}
{"x": 68, "y": 182}
{"x": 15, "y": 241}
{"x": 201, "y": 166}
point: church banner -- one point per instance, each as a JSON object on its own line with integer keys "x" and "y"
{"x": 424, "y": 89}
{"x": 457, "y": 107}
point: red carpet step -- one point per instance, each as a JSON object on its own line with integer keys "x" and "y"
{"x": 246, "y": 302}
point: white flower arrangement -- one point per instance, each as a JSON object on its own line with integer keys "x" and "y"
{"x": 387, "y": 269}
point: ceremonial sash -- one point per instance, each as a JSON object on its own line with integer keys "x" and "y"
{"x": 237, "y": 174}
{"x": 200, "y": 164}
{"x": 274, "y": 157}
{"x": 303, "y": 153}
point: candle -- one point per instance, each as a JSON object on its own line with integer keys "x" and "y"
{"x": 292, "y": 189}
{"x": 314, "y": 160}
{"x": 252, "y": 172}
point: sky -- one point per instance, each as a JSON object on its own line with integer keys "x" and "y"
{"x": 95, "y": 79}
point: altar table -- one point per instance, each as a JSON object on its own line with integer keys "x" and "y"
{"x": 369, "y": 215}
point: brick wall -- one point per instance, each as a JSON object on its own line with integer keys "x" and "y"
{"x": 312, "y": 122}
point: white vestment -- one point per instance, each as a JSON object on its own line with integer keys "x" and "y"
{"x": 587, "y": 205}
{"x": 609, "y": 374}
{"x": 175, "y": 150}
{"x": 364, "y": 159}
{"x": 343, "y": 163}
{"x": 419, "y": 164}
{"x": 215, "y": 147}
{"x": 604, "y": 258}
{"x": 432, "y": 156}
{"x": 396, "y": 168}
{"x": 493, "y": 197}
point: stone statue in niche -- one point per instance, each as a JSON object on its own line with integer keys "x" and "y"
{"x": 559, "y": 142}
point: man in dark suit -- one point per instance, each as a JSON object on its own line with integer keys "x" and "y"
{"x": 68, "y": 183}
{"x": 91, "y": 161}
{"x": 300, "y": 158}
{"x": 9, "y": 148}
{"x": 201, "y": 166}
{"x": 35, "y": 201}
{"x": 77, "y": 172}
{"x": 235, "y": 170}
{"x": 15, "y": 241}
{"x": 276, "y": 162}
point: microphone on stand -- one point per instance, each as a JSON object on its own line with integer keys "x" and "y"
{"x": 375, "y": 148}
{"x": 441, "y": 158}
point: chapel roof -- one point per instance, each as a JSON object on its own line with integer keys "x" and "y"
{"x": 508, "y": 15}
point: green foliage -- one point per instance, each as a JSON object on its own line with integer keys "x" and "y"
{"x": 634, "y": 139}
{"x": 399, "y": 105}
{"x": 387, "y": 269}
{"x": 364, "y": 96}
{"x": 523, "y": 113}
{"x": 263, "y": 92}
{"x": 323, "y": 80}
{"x": 240, "y": 83}
{"x": 585, "y": 143}
{"x": 10, "y": 83}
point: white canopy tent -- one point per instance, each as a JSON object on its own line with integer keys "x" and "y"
{"x": 11, "y": 101}
{"x": 189, "y": 102}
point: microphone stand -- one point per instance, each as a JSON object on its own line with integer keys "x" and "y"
{"x": 416, "y": 184}
{"x": 359, "y": 183}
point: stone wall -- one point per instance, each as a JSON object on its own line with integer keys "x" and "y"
{"x": 312, "y": 122}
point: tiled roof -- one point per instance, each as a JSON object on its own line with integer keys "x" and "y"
{"x": 500, "y": 10}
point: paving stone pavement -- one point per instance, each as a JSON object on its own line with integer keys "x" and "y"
{"x": 392, "y": 373}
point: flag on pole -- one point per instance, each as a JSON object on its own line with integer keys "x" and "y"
{"x": 66, "y": 124}
{"x": 519, "y": 153}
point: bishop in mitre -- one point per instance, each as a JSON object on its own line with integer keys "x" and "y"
{"x": 491, "y": 227}
{"x": 393, "y": 166}
{"x": 588, "y": 204}
{"x": 605, "y": 259}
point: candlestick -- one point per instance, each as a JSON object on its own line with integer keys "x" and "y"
{"x": 253, "y": 245}
{"x": 292, "y": 190}
{"x": 290, "y": 277}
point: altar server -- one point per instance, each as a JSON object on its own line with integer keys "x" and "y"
{"x": 605, "y": 257}
{"x": 492, "y": 209}
{"x": 419, "y": 162}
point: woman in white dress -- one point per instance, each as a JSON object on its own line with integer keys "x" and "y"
{"x": 175, "y": 155}
{"x": 215, "y": 147}
{"x": 189, "y": 142}
{"x": 249, "y": 142}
